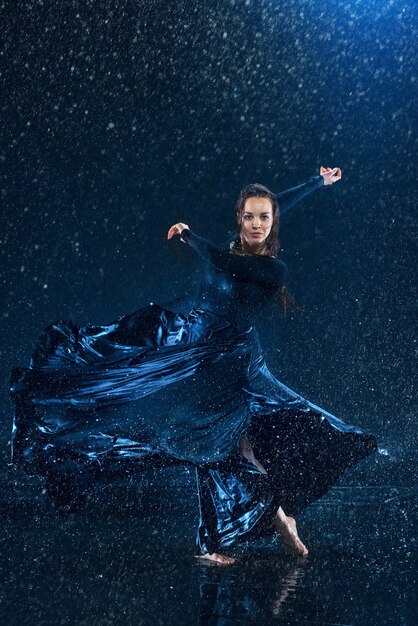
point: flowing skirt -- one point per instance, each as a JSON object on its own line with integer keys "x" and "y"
{"x": 156, "y": 388}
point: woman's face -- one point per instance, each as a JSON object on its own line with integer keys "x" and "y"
{"x": 256, "y": 221}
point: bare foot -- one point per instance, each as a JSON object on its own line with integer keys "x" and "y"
{"x": 217, "y": 558}
{"x": 286, "y": 526}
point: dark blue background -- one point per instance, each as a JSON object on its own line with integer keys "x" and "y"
{"x": 120, "y": 118}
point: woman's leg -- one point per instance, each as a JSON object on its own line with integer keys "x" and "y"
{"x": 284, "y": 524}
{"x": 286, "y": 527}
{"x": 235, "y": 503}
{"x": 207, "y": 539}
{"x": 247, "y": 452}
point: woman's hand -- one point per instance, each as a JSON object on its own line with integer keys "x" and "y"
{"x": 177, "y": 230}
{"x": 330, "y": 175}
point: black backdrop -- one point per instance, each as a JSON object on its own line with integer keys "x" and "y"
{"x": 121, "y": 117}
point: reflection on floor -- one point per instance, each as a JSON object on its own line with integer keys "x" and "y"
{"x": 126, "y": 557}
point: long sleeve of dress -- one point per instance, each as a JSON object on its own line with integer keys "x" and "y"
{"x": 290, "y": 197}
{"x": 263, "y": 270}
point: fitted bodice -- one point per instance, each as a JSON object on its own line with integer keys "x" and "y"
{"x": 239, "y": 301}
{"x": 236, "y": 286}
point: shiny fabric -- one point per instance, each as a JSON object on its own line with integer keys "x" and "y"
{"x": 174, "y": 384}
{"x": 177, "y": 386}
{"x": 92, "y": 408}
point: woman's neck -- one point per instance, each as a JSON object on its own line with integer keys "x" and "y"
{"x": 260, "y": 249}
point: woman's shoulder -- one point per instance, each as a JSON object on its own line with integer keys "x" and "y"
{"x": 278, "y": 268}
{"x": 276, "y": 260}
{"x": 281, "y": 265}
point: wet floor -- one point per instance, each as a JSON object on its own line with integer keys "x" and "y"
{"x": 126, "y": 557}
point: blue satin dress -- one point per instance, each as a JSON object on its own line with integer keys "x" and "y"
{"x": 179, "y": 384}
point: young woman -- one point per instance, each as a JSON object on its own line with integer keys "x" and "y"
{"x": 158, "y": 386}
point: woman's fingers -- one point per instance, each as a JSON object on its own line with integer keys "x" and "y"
{"x": 323, "y": 170}
{"x": 173, "y": 231}
{"x": 331, "y": 175}
{"x": 176, "y": 229}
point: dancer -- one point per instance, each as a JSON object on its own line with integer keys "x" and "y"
{"x": 236, "y": 500}
{"x": 157, "y": 387}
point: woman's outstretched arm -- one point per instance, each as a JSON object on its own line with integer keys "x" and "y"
{"x": 292, "y": 196}
{"x": 262, "y": 270}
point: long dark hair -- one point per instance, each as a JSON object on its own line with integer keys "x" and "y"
{"x": 272, "y": 243}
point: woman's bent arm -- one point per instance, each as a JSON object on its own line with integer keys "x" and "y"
{"x": 263, "y": 270}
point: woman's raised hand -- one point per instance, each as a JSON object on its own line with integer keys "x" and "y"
{"x": 177, "y": 230}
{"x": 330, "y": 175}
